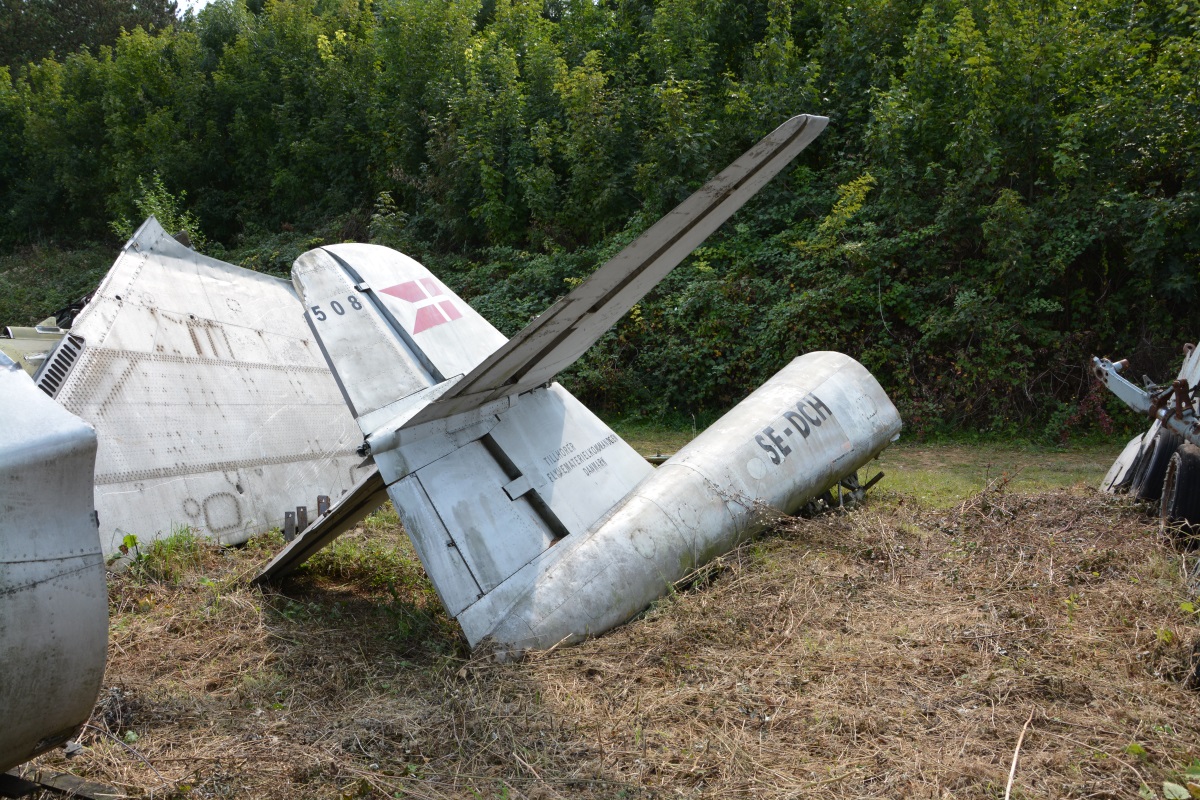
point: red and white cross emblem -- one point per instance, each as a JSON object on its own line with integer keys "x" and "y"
{"x": 424, "y": 293}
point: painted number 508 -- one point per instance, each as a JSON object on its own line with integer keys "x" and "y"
{"x": 336, "y": 307}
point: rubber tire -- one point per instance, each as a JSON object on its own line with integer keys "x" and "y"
{"x": 1148, "y": 483}
{"x": 1181, "y": 490}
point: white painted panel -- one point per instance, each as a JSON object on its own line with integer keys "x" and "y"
{"x": 496, "y": 535}
{"x": 448, "y": 332}
{"x": 565, "y": 453}
{"x": 373, "y": 364}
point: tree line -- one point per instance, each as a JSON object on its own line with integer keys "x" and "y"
{"x": 1004, "y": 187}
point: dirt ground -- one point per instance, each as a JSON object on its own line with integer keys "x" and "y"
{"x": 1013, "y": 643}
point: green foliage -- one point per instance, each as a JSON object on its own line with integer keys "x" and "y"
{"x": 155, "y": 201}
{"x": 36, "y": 281}
{"x": 1003, "y": 189}
{"x": 34, "y": 29}
{"x": 165, "y": 560}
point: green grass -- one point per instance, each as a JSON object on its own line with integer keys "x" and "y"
{"x": 944, "y": 475}
{"x": 37, "y": 281}
{"x": 167, "y": 560}
{"x": 652, "y": 439}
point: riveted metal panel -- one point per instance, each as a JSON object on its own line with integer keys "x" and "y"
{"x": 53, "y": 599}
{"x": 213, "y": 405}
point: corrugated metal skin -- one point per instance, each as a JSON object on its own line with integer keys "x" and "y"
{"x": 53, "y": 601}
{"x": 213, "y": 405}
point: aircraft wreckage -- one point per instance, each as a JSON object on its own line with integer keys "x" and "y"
{"x": 214, "y": 407}
{"x": 536, "y": 523}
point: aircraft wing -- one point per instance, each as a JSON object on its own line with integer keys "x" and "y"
{"x": 558, "y": 337}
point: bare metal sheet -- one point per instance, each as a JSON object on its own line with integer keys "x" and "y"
{"x": 212, "y": 403}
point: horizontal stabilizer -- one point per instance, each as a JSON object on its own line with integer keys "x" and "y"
{"x": 350, "y": 509}
{"x": 558, "y": 337}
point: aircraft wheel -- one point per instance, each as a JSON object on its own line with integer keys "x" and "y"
{"x": 1152, "y": 466}
{"x": 1181, "y": 490}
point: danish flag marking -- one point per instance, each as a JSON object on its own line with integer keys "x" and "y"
{"x": 430, "y": 311}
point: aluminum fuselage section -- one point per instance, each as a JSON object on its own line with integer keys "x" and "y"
{"x": 53, "y": 600}
{"x": 817, "y": 421}
{"x": 211, "y": 400}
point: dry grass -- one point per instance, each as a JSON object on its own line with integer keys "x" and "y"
{"x": 895, "y": 651}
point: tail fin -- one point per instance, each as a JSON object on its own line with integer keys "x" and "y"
{"x": 488, "y": 463}
{"x": 387, "y": 326}
{"x": 490, "y": 489}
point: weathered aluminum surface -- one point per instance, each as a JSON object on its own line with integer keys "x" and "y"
{"x": 1117, "y": 477}
{"x": 213, "y": 405}
{"x": 535, "y": 522}
{"x": 482, "y": 492}
{"x": 818, "y": 420}
{"x": 543, "y": 469}
{"x": 53, "y": 599}
{"x": 554, "y": 340}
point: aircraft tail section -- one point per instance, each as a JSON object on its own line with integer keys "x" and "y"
{"x": 483, "y": 492}
{"x": 388, "y": 327}
{"x": 490, "y": 464}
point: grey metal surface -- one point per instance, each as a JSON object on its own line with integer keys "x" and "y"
{"x": 1117, "y": 478}
{"x": 535, "y": 521}
{"x": 53, "y": 599}
{"x": 558, "y": 337}
{"x": 212, "y": 402}
{"x": 537, "y": 471}
{"x": 818, "y": 420}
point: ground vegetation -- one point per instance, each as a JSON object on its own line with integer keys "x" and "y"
{"x": 1001, "y": 644}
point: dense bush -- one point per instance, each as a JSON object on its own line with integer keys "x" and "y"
{"x": 1003, "y": 189}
